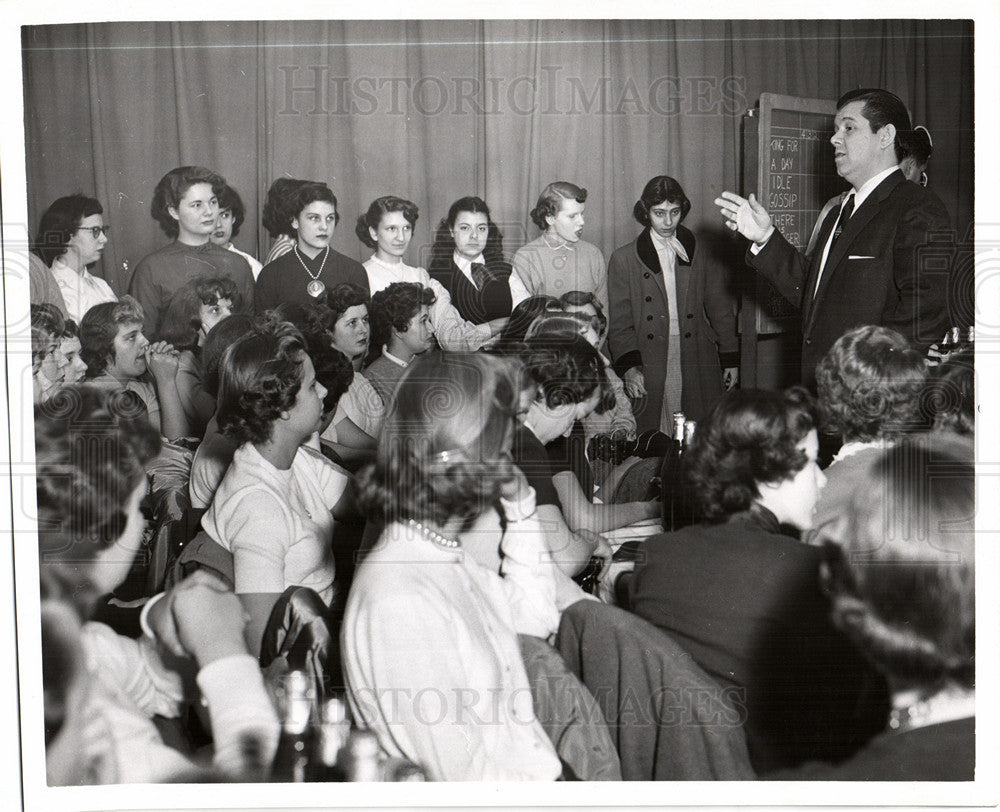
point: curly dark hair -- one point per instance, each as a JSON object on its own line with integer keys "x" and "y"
{"x": 948, "y": 399}
{"x": 444, "y": 244}
{"x": 173, "y": 186}
{"x": 230, "y": 200}
{"x": 181, "y": 321}
{"x": 444, "y": 448}
{"x": 279, "y": 204}
{"x": 582, "y": 298}
{"x": 218, "y": 340}
{"x": 394, "y": 307}
{"x": 749, "y": 438}
{"x": 339, "y": 299}
{"x": 333, "y": 368}
{"x": 551, "y": 200}
{"x": 382, "y": 206}
{"x": 521, "y": 318}
{"x": 903, "y": 587}
{"x": 99, "y": 328}
{"x": 259, "y": 378}
{"x": 567, "y": 372}
{"x": 869, "y": 384}
{"x": 304, "y": 193}
{"x": 90, "y": 449}
{"x": 59, "y": 222}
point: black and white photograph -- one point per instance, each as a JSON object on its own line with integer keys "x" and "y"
{"x": 500, "y": 399}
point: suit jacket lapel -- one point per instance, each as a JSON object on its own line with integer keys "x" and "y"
{"x": 814, "y": 265}
{"x": 861, "y": 217}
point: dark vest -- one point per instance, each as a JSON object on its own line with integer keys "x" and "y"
{"x": 477, "y": 306}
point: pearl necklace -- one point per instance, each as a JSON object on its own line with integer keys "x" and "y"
{"x": 433, "y": 536}
{"x": 315, "y": 288}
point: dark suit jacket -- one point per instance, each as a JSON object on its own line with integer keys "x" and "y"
{"x": 873, "y": 275}
{"x": 637, "y": 334}
{"x": 746, "y": 602}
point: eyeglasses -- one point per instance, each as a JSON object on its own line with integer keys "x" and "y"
{"x": 97, "y": 231}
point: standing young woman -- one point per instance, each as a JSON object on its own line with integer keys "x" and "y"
{"x": 467, "y": 259}
{"x": 71, "y": 238}
{"x": 673, "y": 325}
{"x": 186, "y": 205}
{"x": 387, "y": 227}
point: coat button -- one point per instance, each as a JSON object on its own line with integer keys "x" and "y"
{"x": 645, "y": 275}
{"x": 649, "y": 336}
{"x": 809, "y": 341}
{"x": 690, "y": 315}
{"x": 649, "y": 318}
{"x": 649, "y": 298}
{"x": 687, "y": 335}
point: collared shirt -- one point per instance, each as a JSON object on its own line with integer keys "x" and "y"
{"x": 667, "y": 252}
{"x": 860, "y": 195}
{"x": 453, "y": 332}
{"x": 255, "y": 265}
{"x": 518, "y": 292}
{"x": 390, "y": 357}
{"x": 80, "y": 290}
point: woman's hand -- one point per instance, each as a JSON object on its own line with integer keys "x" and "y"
{"x": 635, "y": 383}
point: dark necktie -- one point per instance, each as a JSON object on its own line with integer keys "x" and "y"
{"x": 845, "y": 215}
{"x": 479, "y": 274}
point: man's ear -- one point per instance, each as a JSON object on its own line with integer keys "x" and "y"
{"x": 887, "y": 136}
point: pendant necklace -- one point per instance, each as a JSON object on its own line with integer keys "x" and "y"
{"x": 315, "y": 288}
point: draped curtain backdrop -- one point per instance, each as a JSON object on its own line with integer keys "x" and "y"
{"x": 435, "y": 110}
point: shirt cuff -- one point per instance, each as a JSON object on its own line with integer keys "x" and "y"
{"x": 144, "y": 616}
{"x": 520, "y": 510}
{"x": 757, "y": 247}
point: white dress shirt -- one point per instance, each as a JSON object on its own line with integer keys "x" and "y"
{"x": 80, "y": 290}
{"x": 453, "y": 332}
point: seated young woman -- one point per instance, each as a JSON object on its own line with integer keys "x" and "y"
{"x": 401, "y": 326}
{"x": 424, "y": 618}
{"x": 50, "y": 364}
{"x": 572, "y": 383}
{"x": 467, "y": 259}
{"x": 275, "y": 508}
{"x": 903, "y": 589}
{"x": 590, "y": 323}
{"x": 119, "y": 357}
{"x": 869, "y": 389}
{"x": 360, "y": 411}
{"x": 333, "y": 369}
{"x": 102, "y": 690}
{"x": 387, "y": 227}
{"x": 744, "y": 599}
{"x": 215, "y": 451}
{"x": 193, "y": 311}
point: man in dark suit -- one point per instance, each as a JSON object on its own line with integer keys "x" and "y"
{"x": 865, "y": 268}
